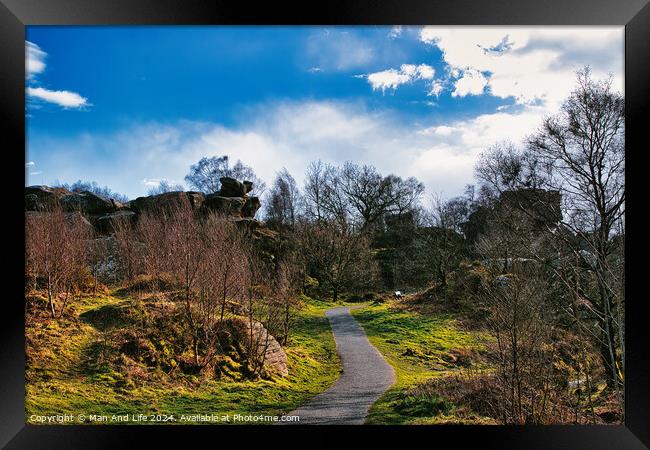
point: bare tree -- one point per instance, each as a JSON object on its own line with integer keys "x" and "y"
{"x": 370, "y": 196}
{"x": 165, "y": 186}
{"x": 503, "y": 167}
{"x": 222, "y": 282}
{"x": 443, "y": 245}
{"x": 582, "y": 152}
{"x": 316, "y": 179}
{"x": 288, "y": 281}
{"x": 522, "y": 333}
{"x": 129, "y": 258}
{"x": 95, "y": 188}
{"x": 227, "y": 269}
{"x": 338, "y": 258}
{"x": 284, "y": 200}
{"x": 324, "y": 199}
{"x": 209, "y": 258}
{"x": 204, "y": 176}
{"x": 175, "y": 244}
{"x": 56, "y": 250}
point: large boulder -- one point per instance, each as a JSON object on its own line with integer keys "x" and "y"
{"x": 39, "y": 198}
{"x": 231, "y": 206}
{"x": 233, "y": 188}
{"x": 88, "y": 203}
{"x": 257, "y": 338}
{"x": 165, "y": 201}
{"x": 275, "y": 359}
{"x": 107, "y": 223}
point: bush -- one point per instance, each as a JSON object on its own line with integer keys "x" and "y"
{"x": 84, "y": 281}
{"x": 369, "y": 297}
{"x": 153, "y": 283}
{"x": 311, "y": 286}
{"x": 460, "y": 293}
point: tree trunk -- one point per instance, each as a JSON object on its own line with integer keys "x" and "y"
{"x": 50, "y": 300}
{"x": 608, "y": 352}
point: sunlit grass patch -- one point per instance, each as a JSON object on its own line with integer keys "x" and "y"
{"x": 65, "y": 374}
{"x": 419, "y": 347}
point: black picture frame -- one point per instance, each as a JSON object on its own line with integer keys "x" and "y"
{"x": 16, "y": 14}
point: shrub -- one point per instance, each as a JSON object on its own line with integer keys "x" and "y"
{"x": 153, "y": 283}
{"x": 369, "y": 297}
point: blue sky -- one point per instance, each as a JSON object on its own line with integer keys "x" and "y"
{"x": 130, "y": 106}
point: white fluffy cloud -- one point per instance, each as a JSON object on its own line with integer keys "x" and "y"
{"x": 392, "y": 78}
{"x": 531, "y": 64}
{"x": 534, "y": 65}
{"x": 286, "y": 135}
{"x": 35, "y": 64}
{"x": 65, "y": 99}
{"x": 34, "y": 59}
{"x": 437, "y": 87}
{"x": 454, "y": 146}
{"x": 472, "y": 82}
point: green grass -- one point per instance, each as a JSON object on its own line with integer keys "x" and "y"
{"x": 418, "y": 347}
{"x": 64, "y": 376}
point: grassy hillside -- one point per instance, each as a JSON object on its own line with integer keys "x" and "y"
{"x": 419, "y": 347}
{"x": 68, "y": 371}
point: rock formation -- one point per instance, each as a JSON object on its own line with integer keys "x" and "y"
{"x": 232, "y": 200}
{"x": 40, "y": 198}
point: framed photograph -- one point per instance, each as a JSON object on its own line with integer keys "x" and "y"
{"x": 378, "y": 219}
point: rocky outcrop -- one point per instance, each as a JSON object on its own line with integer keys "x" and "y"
{"x": 233, "y": 188}
{"x": 92, "y": 207}
{"x": 230, "y": 206}
{"x": 165, "y": 201}
{"x": 74, "y": 217}
{"x": 39, "y": 198}
{"x": 232, "y": 200}
{"x": 247, "y": 348}
{"x": 88, "y": 203}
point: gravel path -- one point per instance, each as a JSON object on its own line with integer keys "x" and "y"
{"x": 366, "y": 375}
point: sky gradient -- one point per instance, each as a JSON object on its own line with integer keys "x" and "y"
{"x": 129, "y": 106}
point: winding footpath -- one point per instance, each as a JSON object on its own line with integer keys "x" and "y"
{"x": 366, "y": 376}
